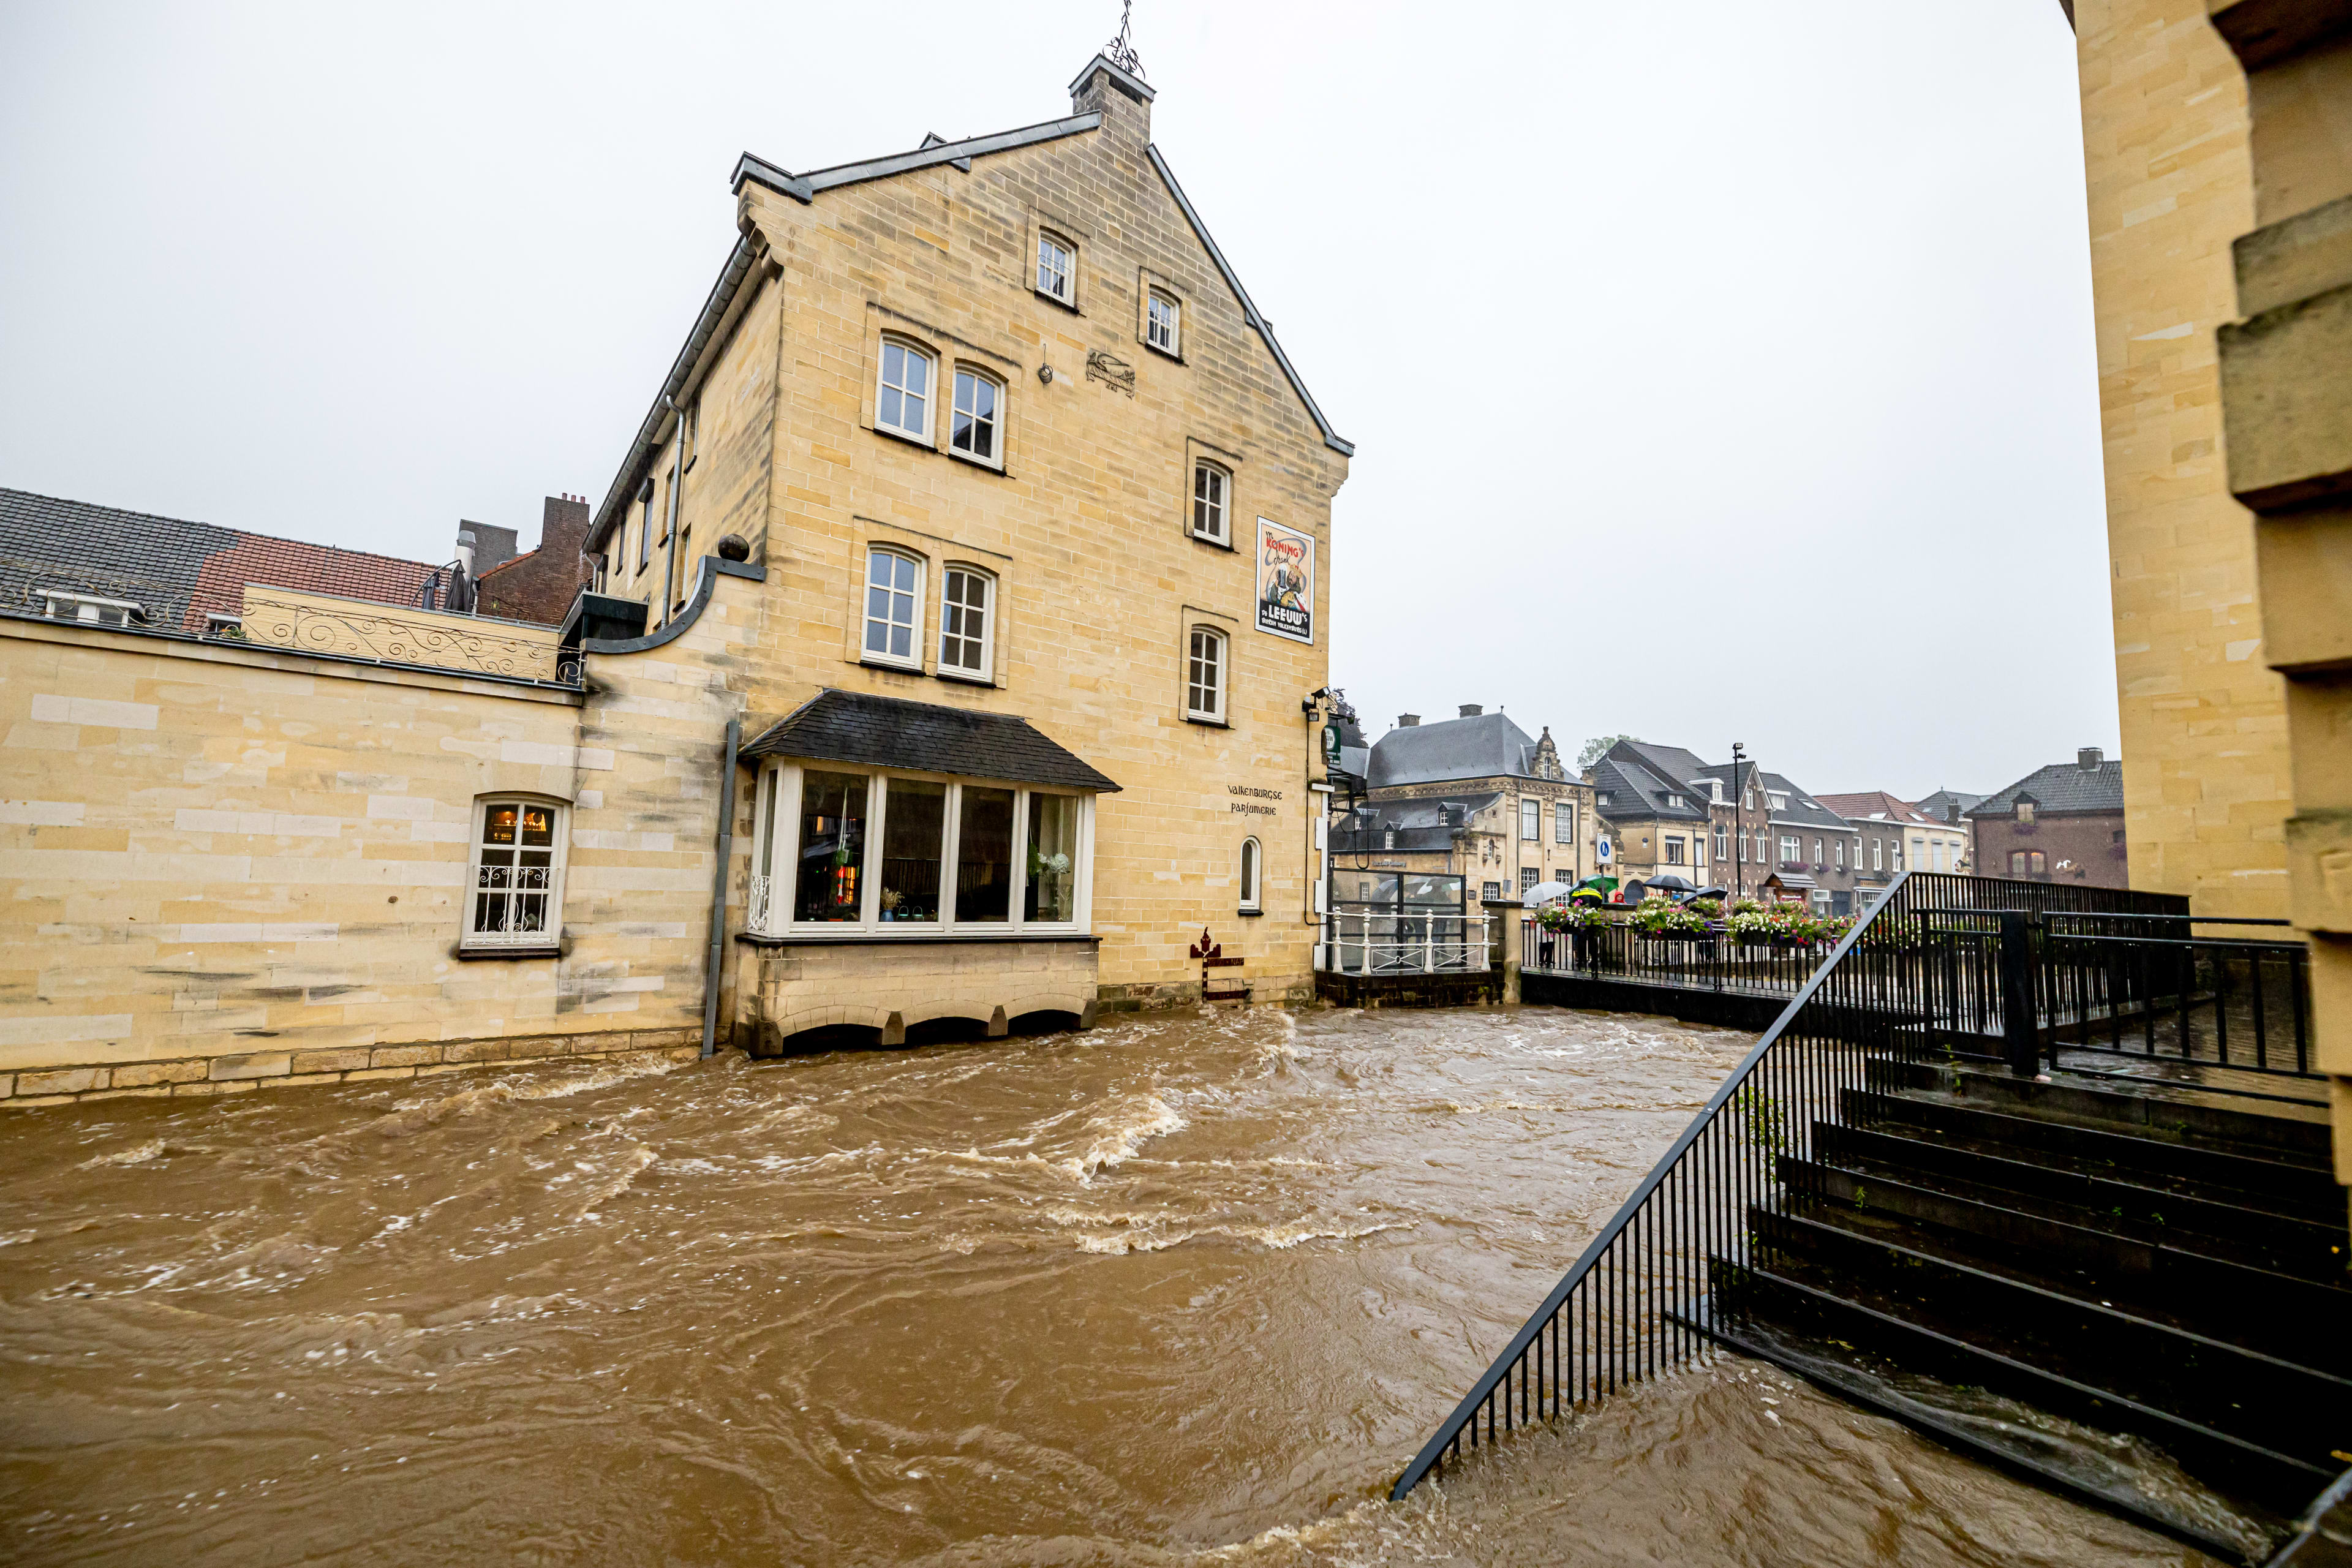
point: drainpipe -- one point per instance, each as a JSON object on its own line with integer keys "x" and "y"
{"x": 676, "y": 490}
{"x": 719, "y": 889}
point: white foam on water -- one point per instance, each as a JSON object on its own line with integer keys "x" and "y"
{"x": 1121, "y": 1134}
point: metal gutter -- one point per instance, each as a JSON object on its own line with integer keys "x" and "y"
{"x": 718, "y": 311}
{"x": 1331, "y": 437}
{"x": 719, "y": 889}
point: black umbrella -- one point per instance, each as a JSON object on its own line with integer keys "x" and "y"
{"x": 1668, "y": 879}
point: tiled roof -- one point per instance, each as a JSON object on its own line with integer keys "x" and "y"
{"x": 891, "y": 732}
{"x": 174, "y": 570}
{"x": 1803, "y": 810}
{"x": 1638, "y": 793}
{"x": 1877, "y": 806}
{"x": 1484, "y": 746}
{"x": 1949, "y": 805}
{"x": 1677, "y": 764}
{"x": 2062, "y": 788}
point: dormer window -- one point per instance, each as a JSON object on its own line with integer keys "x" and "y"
{"x": 1057, "y": 269}
{"x": 2025, "y": 811}
{"x": 1673, "y": 800}
{"x": 63, "y": 605}
{"x": 1779, "y": 802}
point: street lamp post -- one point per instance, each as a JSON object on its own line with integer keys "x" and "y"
{"x": 1739, "y": 823}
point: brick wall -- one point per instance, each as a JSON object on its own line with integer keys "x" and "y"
{"x": 539, "y": 584}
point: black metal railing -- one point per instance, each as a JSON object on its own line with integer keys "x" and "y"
{"x": 1717, "y": 961}
{"x": 2150, "y": 988}
{"x": 1943, "y": 964}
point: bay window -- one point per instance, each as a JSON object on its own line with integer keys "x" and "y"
{"x": 879, "y": 852}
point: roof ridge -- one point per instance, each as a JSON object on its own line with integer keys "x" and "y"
{"x": 223, "y": 527}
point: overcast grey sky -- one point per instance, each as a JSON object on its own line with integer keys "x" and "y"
{"x": 1717, "y": 371}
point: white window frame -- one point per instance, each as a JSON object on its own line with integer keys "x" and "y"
{"x": 1563, "y": 822}
{"x": 994, "y": 458}
{"x": 882, "y": 383}
{"x": 1252, "y": 862}
{"x": 1221, "y": 688}
{"x": 1791, "y": 850}
{"x": 1528, "y": 877}
{"x": 913, "y": 657}
{"x": 775, "y": 841}
{"x": 559, "y": 831}
{"x": 1672, "y": 848}
{"x": 1162, "y": 333}
{"x": 1530, "y": 820}
{"x": 1056, "y": 274}
{"x": 1222, "y": 508}
{"x": 961, "y": 610}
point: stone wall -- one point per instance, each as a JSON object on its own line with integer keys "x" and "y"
{"x": 2165, "y": 132}
{"x": 322, "y": 622}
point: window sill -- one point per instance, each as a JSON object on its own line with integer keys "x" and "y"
{"x": 920, "y": 443}
{"x": 1207, "y": 723}
{"x": 1249, "y": 914}
{"x": 1174, "y": 356}
{"x": 1213, "y": 543}
{"x": 960, "y": 679}
{"x": 983, "y": 464}
{"x": 476, "y": 955}
{"x": 892, "y": 665}
{"x": 910, "y": 939}
{"x": 1056, "y": 301}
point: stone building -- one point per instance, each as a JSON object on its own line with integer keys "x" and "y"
{"x": 2063, "y": 823}
{"x": 1516, "y": 818}
{"x": 963, "y": 630}
{"x": 1012, "y": 443}
{"x": 1891, "y": 836}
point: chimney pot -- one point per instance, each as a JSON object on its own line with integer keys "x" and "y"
{"x": 1472, "y": 710}
{"x": 2090, "y": 757}
{"x": 1408, "y": 720}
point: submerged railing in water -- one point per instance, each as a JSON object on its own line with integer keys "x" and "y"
{"x": 1935, "y": 963}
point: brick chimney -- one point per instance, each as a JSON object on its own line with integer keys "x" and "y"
{"x": 1472, "y": 710}
{"x": 2090, "y": 757}
{"x": 1408, "y": 720}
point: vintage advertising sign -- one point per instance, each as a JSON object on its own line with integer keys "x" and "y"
{"x": 1285, "y": 581}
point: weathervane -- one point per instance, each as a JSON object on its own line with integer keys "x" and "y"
{"x": 1120, "y": 50}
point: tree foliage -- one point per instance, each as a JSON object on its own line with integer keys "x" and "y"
{"x": 1597, "y": 748}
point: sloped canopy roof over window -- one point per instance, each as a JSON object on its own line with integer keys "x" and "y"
{"x": 923, "y": 737}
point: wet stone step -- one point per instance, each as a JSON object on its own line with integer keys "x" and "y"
{"x": 2272, "y": 1129}
{"x": 2296, "y": 1409}
{"x": 2252, "y": 1475}
{"x": 2149, "y": 1205}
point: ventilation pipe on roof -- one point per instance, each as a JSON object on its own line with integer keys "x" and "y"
{"x": 2090, "y": 757}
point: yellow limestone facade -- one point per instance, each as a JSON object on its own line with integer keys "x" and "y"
{"x": 1081, "y": 517}
{"x": 231, "y": 866}
{"x": 2164, "y": 140}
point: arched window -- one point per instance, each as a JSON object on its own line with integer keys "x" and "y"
{"x": 893, "y": 597}
{"x": 902, "y": 401}
{"x": 967, "y": 597}
{"x": 1250, "y": 856}
{"x": 1205, "y": 676}
{"x": 975, "y": 431}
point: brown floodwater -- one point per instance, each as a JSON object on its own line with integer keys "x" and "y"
{"x": 1182, "y": 1289}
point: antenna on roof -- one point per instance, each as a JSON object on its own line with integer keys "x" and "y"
{"x": 1120, "y": 50}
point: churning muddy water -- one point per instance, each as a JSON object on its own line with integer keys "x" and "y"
{"x": 1183, "y": 1289}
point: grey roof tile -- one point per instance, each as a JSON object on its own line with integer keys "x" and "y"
{"x": 2062, "y": 788}
{"x": 925, "y": 737}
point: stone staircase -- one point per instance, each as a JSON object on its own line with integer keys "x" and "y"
{"x": 2131, "y": 1291}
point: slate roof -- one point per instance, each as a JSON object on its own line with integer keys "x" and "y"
{"x": 174, "y": 570}
{"x": 1487, "y": 745}
{"x": 1673, "y": 761}
{"x": 2063, "y": 789}
{"x": 1420, "y": 824}
{"x": 1637, "y": 793}
{"x": 892, "y": 732}
{"x": 1877, "y": 806}
{"x": 1943, "y": 803}
{"x": 1803, "y": 810}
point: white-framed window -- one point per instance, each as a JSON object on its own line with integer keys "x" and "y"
{"x": 1743, "y": 848}
{"x": 894, "y": 595}
{"x": 1491, "y": 891}
{"x": 1528, "y": 878}
{"x": 902, "y": 395}
{"x": 1877, "y": 855}
{"x": 1205, "y": 675}
{"x": 1160, "y": 323}
{"x": 1722, "y": 843}
{"x": 1779, "y": 802}
{"x": 1531, "y": 821}
{"x": 1894, "y": 854}
{"x": 1057, "y": 269}
{"x": 841, "y": 849}
{"x": 1841, "y": 854}
{"x": 974, "y": 431}
{"x": 1789, "y": 847}
{"x": 1563, "y": 822}
{"x": 1673, "y": 799}
{"x": 516, "y": 874}
{"x": 1918, "y": 853}
{"x": 1212, "y": 486}
{"x": 966, "y": 645}
{"x": 66, "y": 605}
{"x": 2025, "y": 811}
{"x": 1250, "y": 856}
